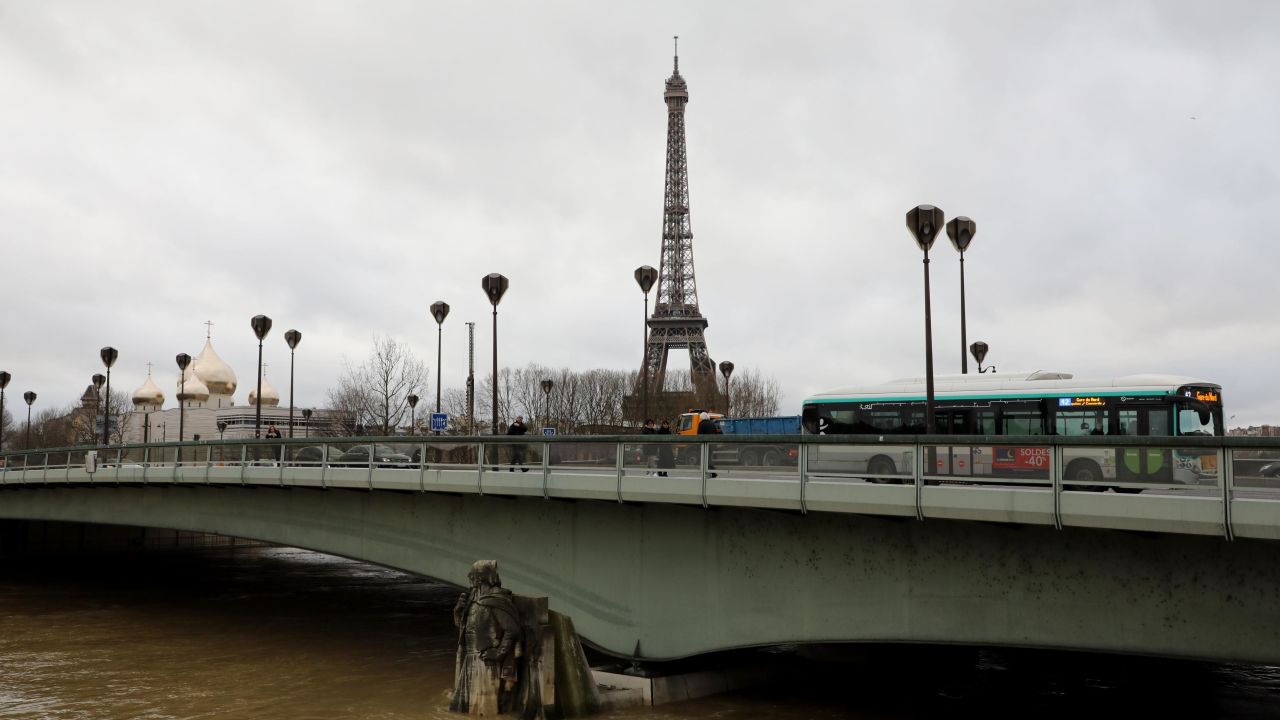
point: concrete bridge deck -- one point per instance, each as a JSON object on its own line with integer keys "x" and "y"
{"x": 710, "y": 558}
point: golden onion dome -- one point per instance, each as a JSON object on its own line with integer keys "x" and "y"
{"x": 148, "y": 394}
{"x": 190, "y": 387}
{"x": 213, "y": 372}
{"x": 270, "y": 398}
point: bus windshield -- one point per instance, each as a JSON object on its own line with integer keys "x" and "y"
{"x": 1192, "y": 421}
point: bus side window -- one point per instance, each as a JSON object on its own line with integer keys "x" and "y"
{"x": 1128, "y": 422}
{"x": 984, "y": 422}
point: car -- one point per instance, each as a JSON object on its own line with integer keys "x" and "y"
{"x": 1270, "y": 470}
{"x": 384, "y": 456}
{"x": 316, "y": 454}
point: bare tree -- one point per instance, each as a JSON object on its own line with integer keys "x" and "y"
{"x": 374, "y": 394}
{"x": 752, "y": 394}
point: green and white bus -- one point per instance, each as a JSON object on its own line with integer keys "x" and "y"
{"x": 1028, "y": 404}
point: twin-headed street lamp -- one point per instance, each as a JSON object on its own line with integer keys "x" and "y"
{"x": 646, "y": 276}
{"x": 495, "y": 286}
{"x": 4, "y": 383}
{"x": 30, "y": 397}
{"x": 440, "y": 311}
{"x": 109, "y": 356}
{"x": 306, "y": 422}
{"x": 222, "y": 428}
{"x": 726, "y": 369}
{"x": 293, "y": 337}
{"x": 261, "y": 325}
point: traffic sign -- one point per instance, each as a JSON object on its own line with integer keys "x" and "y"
{"x": 439, "y": 422}
{"x": 548, "y": 431}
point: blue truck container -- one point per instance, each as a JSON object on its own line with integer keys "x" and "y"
{"x": 781, "y": 425}
{"x": 758, "y": 455}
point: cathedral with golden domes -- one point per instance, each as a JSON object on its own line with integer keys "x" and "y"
{"x": 206, "y": 393}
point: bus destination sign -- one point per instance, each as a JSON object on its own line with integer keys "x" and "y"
{"x": 1091, "y": 401}
{"x": 1207, "y": 396}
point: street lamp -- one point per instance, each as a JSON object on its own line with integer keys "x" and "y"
{"x": 183, "y": 360}
{"x": 413, "y": 403}
{"x": 726, "y": 369}
{"x": 293, "y": 337}
{"x": 261, "y": 325}
{"x": 439, "y": 311}
{"x": 4, "y": 383}
{"x": 98, "y": 379}
{"x": 979, "y": 350}
{"x": 961, "y": 231}
{"x": 546, "y": 390}
{"x": 495, "y": 286}
{"x": 222, "y": 428}
{"x": 306, "y": 421}
{"x": 108, "y": 355}
{"x": 646, "y": 276}
{"x": 924, "y": 222}
{"x": 30, "y": 397}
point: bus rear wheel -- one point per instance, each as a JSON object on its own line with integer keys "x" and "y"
{"x": 1084, "y": 476}
{"x": 881, "y": 465}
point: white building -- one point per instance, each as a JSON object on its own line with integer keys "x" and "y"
{"x": 206, "y": 391}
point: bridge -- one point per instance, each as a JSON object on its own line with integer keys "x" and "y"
{"x": 723, "y": 551}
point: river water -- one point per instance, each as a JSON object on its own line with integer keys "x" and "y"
{"x": 267, "y": 632}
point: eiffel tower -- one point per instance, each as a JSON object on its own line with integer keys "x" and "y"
{"x": 676, "y": 322}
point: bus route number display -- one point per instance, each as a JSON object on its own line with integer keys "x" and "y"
{"x": 1091, "y": 401}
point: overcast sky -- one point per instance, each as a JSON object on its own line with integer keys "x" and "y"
{"x": 340, "y": 166}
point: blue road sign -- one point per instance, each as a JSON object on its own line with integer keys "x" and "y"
{"x": 439, "y": 422}
{"x": 548, "y": 431}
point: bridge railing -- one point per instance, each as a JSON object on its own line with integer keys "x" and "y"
{"x": 1211, "y": 486}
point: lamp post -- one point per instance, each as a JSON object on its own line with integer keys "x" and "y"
{"x": 222, "y": 428}
{"x": 306, "y": 422}
{"x": 184, "y": 361}
{"x": 261, "y": 325}
{"x": 546, "y": 390}
{"x": 293, "y": 337}
{"x": 924, "y": 222}
{"x": 726, "y": 369}
{"x": 30, "y": 397}
{"x": 108, "y": 355}
{"x": 961, "y": 231}
{"x": 413, "y": 425}
{"x": 646, "y": 276}
{"x": 98, "y": 379}
{"x": 4, "y": 383}
{"x": 979, "y": 350}
{"x": 495, "y": 286}
{"x": 439, "y": 311}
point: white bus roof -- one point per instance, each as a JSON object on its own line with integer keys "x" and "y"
{"x": 1013, "y": 385}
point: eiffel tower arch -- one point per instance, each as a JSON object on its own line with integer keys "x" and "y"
{"x": 676, "y": 322}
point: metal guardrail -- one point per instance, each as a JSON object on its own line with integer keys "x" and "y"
{"x": 1196, "y": 485}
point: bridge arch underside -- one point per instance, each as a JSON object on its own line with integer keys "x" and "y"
{"x": 679, "y": 581}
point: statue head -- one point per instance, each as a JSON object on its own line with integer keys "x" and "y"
{"x": 484, "y": 572}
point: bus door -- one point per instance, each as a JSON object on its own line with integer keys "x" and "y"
{"x": 1144, "y": 464}
{"x": 956, "y": 460}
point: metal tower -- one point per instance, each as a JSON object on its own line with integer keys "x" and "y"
{"x": 676, "y": 322}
